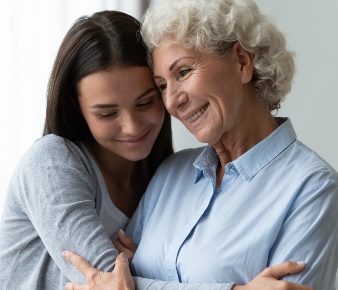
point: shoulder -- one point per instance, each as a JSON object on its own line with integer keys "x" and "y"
{"x": 311, "y": 164}
{"x": 53, "y": 145}
{"x": 52, "y": 148}
{"x": 308, "y": 174}
{"x": 51, "y": 165}
{"x": 52, "y": 152}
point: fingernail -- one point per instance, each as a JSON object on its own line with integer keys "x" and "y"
{"x": 122, "y": 232}
{"x": 301, "y": 263}
{"x": 64, "y": 254}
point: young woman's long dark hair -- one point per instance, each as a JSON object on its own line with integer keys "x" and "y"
{"x": 105, "y": 40}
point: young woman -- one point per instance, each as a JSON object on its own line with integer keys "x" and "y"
{"x": 106, "y": 132}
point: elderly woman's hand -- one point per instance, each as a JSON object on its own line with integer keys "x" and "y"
{"x": 119, "y": 279}
{"x": 269, "y": 278}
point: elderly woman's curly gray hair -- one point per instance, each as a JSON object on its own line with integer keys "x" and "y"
{"x": 213, "y": 26}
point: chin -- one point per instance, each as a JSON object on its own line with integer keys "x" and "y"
{"x": 137, "y": 157}
{"x": 203, "y": 138}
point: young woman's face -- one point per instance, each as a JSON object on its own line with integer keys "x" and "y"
{"x": 123, "y": 109}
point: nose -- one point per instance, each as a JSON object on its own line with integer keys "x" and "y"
{"x": 131, "y": 123}
{"x": 174, "y": 99}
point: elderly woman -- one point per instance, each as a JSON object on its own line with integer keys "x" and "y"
{"x": 255, "y": 196}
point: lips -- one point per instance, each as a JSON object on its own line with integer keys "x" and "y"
{"x": 135, "y": 142}
{"x": 197, "y": 114}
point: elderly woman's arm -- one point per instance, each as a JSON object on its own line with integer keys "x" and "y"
{"x": 121, "y": 279}
{"x": 309, "y": 232}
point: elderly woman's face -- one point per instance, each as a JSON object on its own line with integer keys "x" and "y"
{"x": 208, "y": 94}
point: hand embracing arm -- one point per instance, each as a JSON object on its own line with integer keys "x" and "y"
{"x": 269, "y": 278}
{"x": 118, "y": 279}
{"x": 121, "y": 279}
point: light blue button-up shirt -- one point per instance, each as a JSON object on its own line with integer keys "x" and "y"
{"x": 276, "y": 202}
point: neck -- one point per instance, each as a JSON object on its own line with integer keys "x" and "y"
{"x": 113, "y": 167}
{"x": 252, "y": 128}
{"x": 126, "y": 180}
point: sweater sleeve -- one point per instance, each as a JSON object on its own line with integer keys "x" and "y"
{"x": 57, "y": 192}
{"x": 149, "y": 284}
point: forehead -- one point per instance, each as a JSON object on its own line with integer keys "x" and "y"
{"x": 165, "y": 57}
{"x": 169, "y": 53}
{"x": 115, "y": 86}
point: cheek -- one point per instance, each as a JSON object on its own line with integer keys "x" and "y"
{"x": 165, "y": 99}
{"x": 102, "y": 129}
{"x": 156, "y": 115}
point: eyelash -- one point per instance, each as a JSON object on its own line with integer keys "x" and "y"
{"x": 105, "y": 116}
{"x": 144, "y": 105}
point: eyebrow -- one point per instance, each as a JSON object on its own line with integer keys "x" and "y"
{"x": 106, "y": 106}
{"x": 177, "y": 60}
{"x": 173, "y": 65}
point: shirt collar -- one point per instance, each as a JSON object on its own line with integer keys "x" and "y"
{"x": 254, "y": 160}
{"x": 207, "y": 159}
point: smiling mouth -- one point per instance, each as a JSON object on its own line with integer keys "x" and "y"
{"x": 136, "y": 139}
{"x": 198, "y": 114}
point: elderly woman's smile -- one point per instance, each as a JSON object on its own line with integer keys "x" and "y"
{"x": 199, "y": 113}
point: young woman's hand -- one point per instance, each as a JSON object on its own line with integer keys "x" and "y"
{"x": 269, "y": 278}
{"x": 119, "y": 279}
{"x": 125, "y": 244}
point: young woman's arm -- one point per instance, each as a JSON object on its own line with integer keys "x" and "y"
{"x": 51, "y": 207}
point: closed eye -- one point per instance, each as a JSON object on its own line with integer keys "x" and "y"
{"x": 105, "y": 116}
{"x": 145, "y": 104}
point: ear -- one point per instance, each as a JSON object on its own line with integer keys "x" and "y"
{"x": 245, "y": 60}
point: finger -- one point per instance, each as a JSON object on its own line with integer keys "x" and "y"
{"x": 284, "y": 269}
{"x": 126, "y": 241}
{"x": 118, "y": 245}
{"x": 121, "y": 249}
{"x": 291, "y": 286}
{"x": 81, "y": 264}
{"x": 74, "y": 286}
{"x": 121, "y": 263}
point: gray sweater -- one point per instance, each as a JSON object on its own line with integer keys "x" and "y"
{"x": 52, "y": 205}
